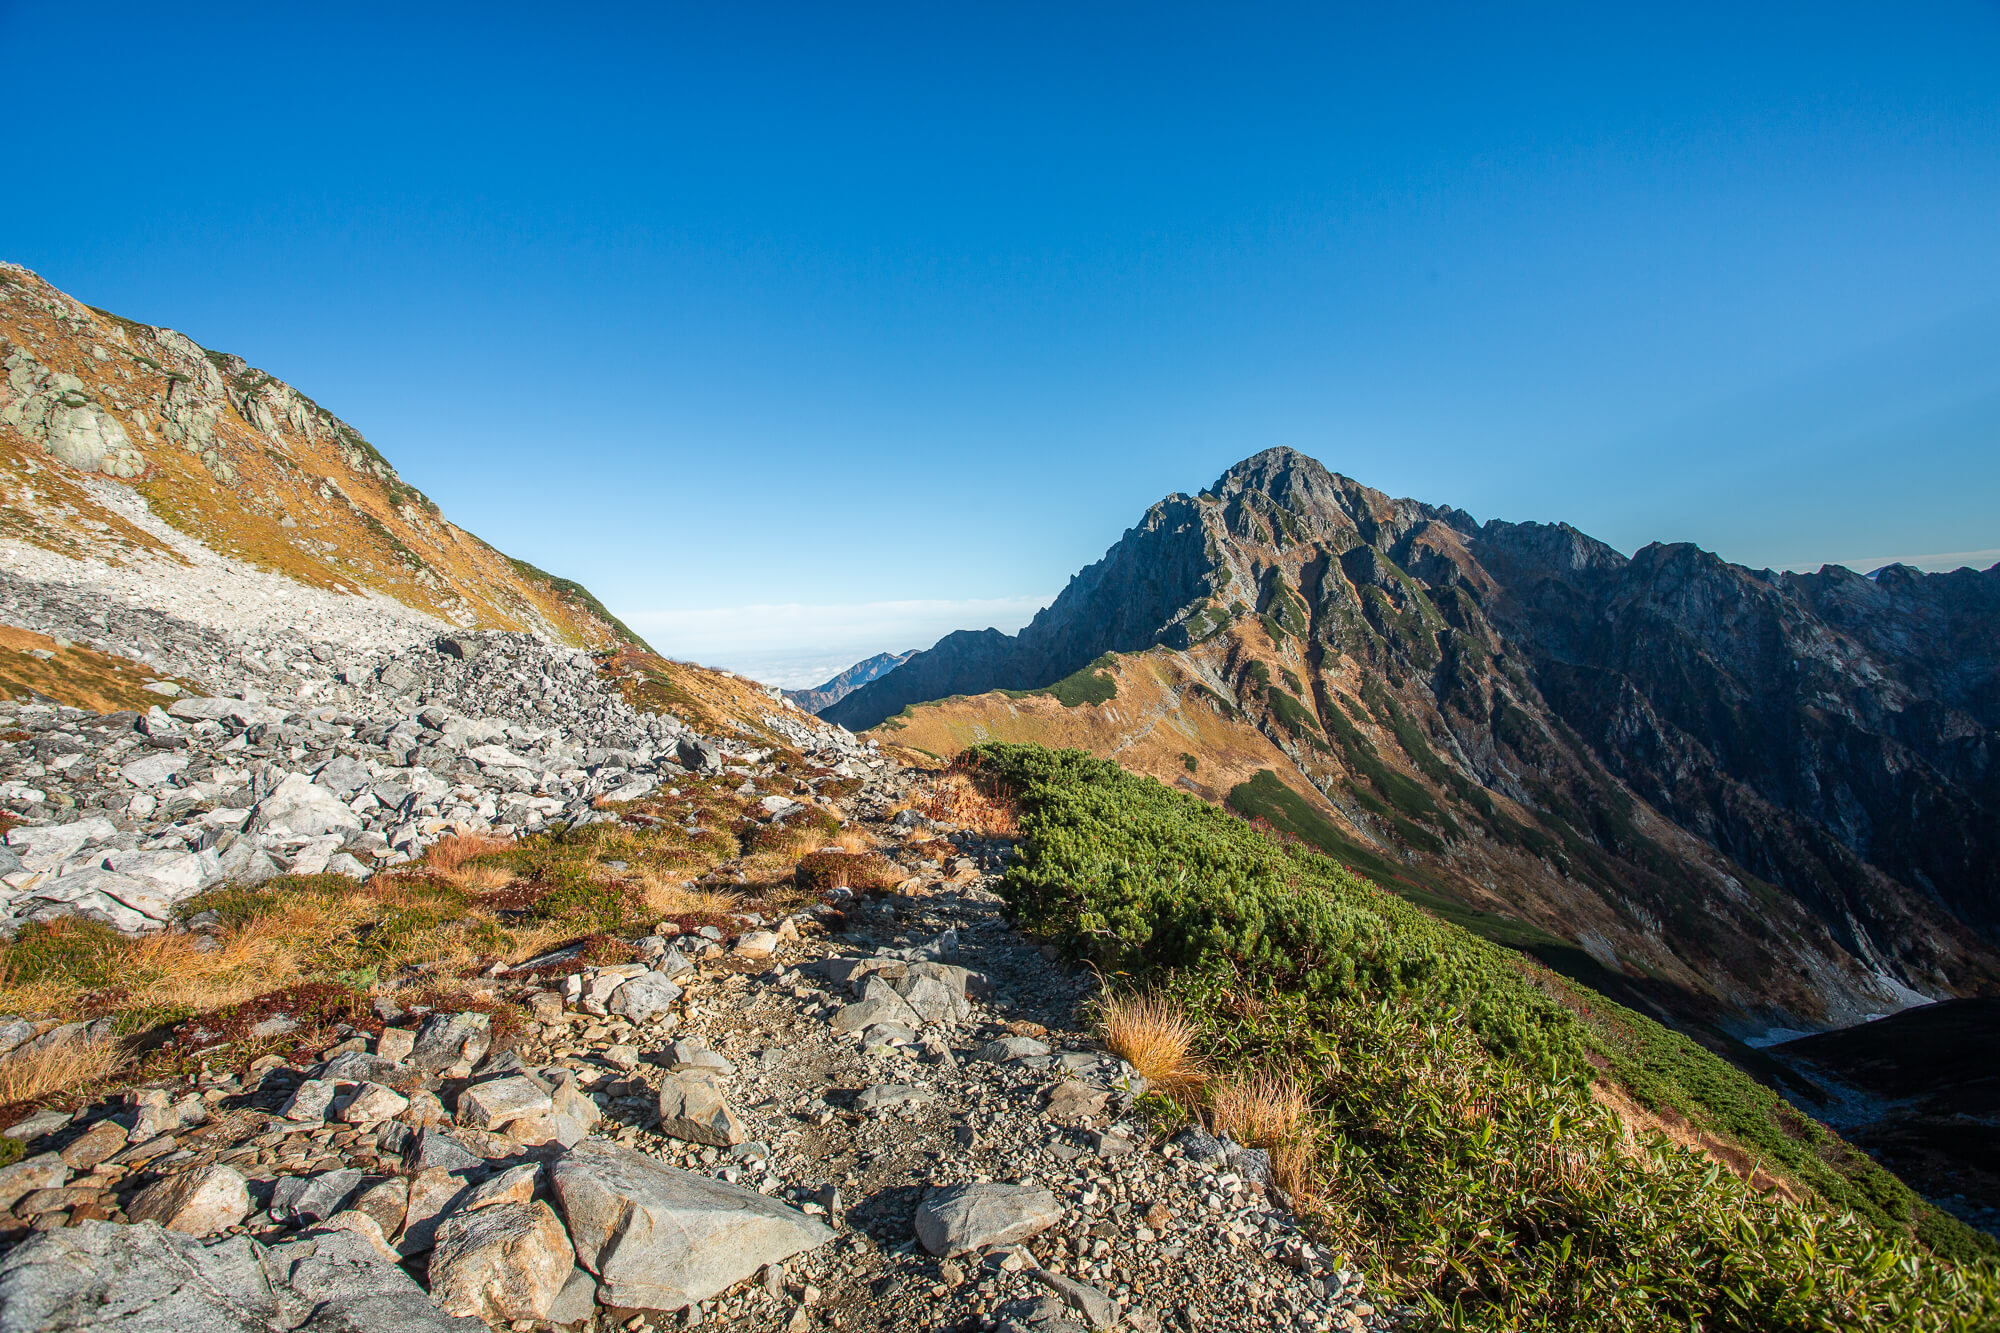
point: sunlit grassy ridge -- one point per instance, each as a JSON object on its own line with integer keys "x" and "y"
{"x": 1455, "y": 1143}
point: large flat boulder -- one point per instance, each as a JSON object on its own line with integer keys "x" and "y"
{"x": 104, "y": 1276}
{"x": 658, "y": 1238}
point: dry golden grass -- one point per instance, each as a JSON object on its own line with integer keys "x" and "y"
{"x": 58, "y": 1069}
{"x": 664, "y": 898}
{"x": 957, "y": 796}
{"x": 1269, "y": 1111}
{"x": 449, "y": 855}
{"x": 853, "y": 841}
{"x": 1155, "y": 1037}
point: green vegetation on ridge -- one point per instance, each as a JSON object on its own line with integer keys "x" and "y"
{"x": 1454, "y": 1140}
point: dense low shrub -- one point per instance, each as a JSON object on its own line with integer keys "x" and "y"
{"x": 1460, "y": 1152}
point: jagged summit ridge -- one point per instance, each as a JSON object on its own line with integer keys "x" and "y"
{"x": 1775, "y": 790}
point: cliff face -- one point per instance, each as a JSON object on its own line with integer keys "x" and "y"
{"x": 1758, "y": 798}
{"x": 121, "y": 443}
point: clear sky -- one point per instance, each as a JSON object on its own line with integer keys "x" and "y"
{"x": 799, "y": 333}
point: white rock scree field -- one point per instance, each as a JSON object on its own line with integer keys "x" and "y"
{"x": 745, "y": 1042}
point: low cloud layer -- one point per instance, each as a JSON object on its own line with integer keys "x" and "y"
{"x": 796, "y": 645}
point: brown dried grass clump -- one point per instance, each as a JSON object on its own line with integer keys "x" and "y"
{"x": 449, "y": 855}
{"x": 1269, "y": 1111}
{"x": 663, "y": 898}
{"x": 58, "y": 1069}
{"x": 961, "y": 795}
{"x": 1155, "y": 1037}
{"x": 819, "y": 871}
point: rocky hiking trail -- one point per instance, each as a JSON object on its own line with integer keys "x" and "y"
{"x": 882, "y": 1112}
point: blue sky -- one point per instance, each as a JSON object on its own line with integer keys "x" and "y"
{"x": 799, "y": 333}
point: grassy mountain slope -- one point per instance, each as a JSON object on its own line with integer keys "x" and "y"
{"x": 230, "y": 457}
{"x": 1442, "y": 1119}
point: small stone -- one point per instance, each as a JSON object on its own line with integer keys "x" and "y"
{"x": 395, "y": 1044}
{"x": 887, "y": 1095}
{"x": 95, "y": 1144}
{"x": 310, "y": 1101}
{"x": 308, "y": 1199}
{"x": 692, "y": 1109}
{"x": 958, "y": 1218}
{"x": 371, "y": 1103}
{"x": 514, "y": 1185}
{"x": 198, "y": 1202}
{"x": 493, "y": 1104}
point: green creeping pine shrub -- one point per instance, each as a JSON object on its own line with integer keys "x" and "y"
{"x": 1090, "y": 685}
{"x": 1458, "y": 1153}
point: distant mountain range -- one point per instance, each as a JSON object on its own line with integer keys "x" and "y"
{"x": 868, "y": 670}
{"x": 1743, "y": 798}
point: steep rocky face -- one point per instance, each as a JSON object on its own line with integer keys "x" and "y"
{"x": 832, "y": 691}
{"x": 126, "y": 449}
{"x": 1755, "y": 798}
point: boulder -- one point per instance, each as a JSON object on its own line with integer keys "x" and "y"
{"x": 692, "y": 1109}
{"x": 661, "y": 1239}
{"x": 505, "y": 1262}
{"x": 388, "y": 1202}
{"x": 198, "y": 1203}
{"x": 372, "y": 1102}
{"x": 498, "y": 1102}
{"x": 757, "y": 944}
{"x": 310, "y": 1101}
{"x": 933, "y": 1000}
{"x": 644, "y": 998}
{"x": 154, "y": 770}
{"x": 145, "y": 1279}
{"x": 693, "y": 1053}
{"x": 309, "y": 1199}
{"x": 887, "y": 1095}
{"x": 1070, "y": 1100}
{"x": 301, "y": 807}
{"x": 1009, "y": 1048}
{"x": 46, "y": 1172}
{"x": 451, "y": 1044}
{"x": 958, "y": 1218}
{"x": 433, "y": 1195}
{"x": 514, "y": 1185}
{"x": 46, "y": 847}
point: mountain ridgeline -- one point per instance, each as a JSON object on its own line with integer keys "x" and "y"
{"x": 1745, "y": 798}
{"x": 830, "y": 692}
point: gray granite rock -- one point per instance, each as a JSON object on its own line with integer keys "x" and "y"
{"x": 660, "y": 1238}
